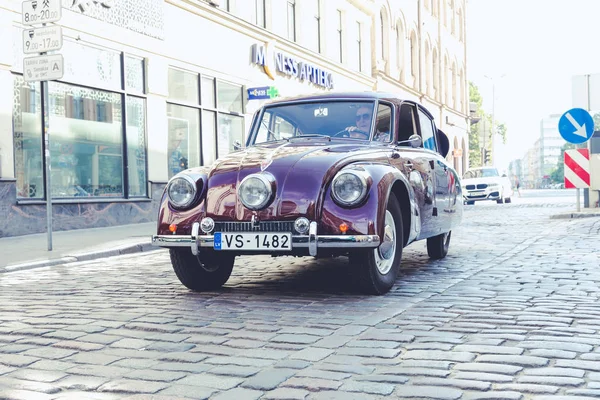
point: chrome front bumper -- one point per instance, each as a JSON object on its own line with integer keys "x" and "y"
{"x": 312, "y": 241}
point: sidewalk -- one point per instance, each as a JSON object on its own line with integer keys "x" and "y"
{"x": 31, "y": 251}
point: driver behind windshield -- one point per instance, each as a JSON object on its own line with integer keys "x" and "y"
{"x": 363, "y": 123}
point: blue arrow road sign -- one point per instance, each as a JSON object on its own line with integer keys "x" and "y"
{"x": 576, "y": 126}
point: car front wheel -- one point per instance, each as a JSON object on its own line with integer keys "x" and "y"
{"x": 206, "y": 271}
{"x": 377, "y": 269}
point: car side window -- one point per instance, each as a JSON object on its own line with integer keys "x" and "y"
{"x": 383, "y": 124}
{"x": 427, "y": 132}
{"x": 407, "y": 125}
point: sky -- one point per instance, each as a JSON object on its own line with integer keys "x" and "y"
{"x": 531, "y": 49}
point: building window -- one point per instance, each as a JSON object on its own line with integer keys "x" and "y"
{"x": 400, "y": 49}
{"x": 340, "y": 36}
{"x": 205, "y": 119}
{"x": 454, "y": 100}
{"x": 461, "y": 25}
{"x": 358, "y": 47}
{"x": 382, "y": 32}
{"x": 414, "y": 54}
{"x": 317, "y": 45}
{"x": 97, "y": 137}
{"x": 291, "y": 20}
{"x": 259, "y": 9}
{"x": 436, "y": 74}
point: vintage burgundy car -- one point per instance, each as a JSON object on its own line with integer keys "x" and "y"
{"x": 352, "y": 174}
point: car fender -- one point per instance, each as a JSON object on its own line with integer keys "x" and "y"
{"x": 369, "y": 216}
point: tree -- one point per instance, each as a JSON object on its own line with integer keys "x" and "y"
{"x": 474, "y": 147}
{"x": 477, "y": 128}
{"x": 501, "y": 130}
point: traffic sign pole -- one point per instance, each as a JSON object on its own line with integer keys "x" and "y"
{"x": 43, "y": 68}
{"x": 48, "y": 166}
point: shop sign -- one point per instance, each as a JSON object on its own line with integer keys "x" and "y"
{"x": 291, "y": 66}
{"x": 261, "y": 93}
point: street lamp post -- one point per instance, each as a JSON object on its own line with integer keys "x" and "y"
{"x": 493, "y": 113}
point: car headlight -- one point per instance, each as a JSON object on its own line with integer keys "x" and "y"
{"x": 349, "y": 187}
{"x": 255, "y": 191}
{"x": 182, "y": 191}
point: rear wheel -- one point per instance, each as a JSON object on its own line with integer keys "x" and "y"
{"x": 377, "y": 269}
{"x": 437, "y": 246}
{"x": 207, "y": 271}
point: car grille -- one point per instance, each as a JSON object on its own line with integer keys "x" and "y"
{"x": 482, "y": 186}
{"x": 246, "y": 226}
{"x": 470, "y": 187}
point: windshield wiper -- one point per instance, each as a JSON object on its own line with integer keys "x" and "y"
{"x": 312, "y": 135}
{"x": 271, "y": 133}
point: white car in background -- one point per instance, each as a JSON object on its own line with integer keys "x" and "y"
{"x": 485, "y": 183}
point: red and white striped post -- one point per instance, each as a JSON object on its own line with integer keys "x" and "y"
{"x": 577, "y": 171}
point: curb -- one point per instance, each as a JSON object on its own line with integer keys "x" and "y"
{"x": 575, "y": 215}
{"x": 94, "y": 255}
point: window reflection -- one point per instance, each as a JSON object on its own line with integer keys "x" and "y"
{"x": 183, "y": 149}
{"x": 86, "y": 142}
{"x": 231, "y": 129}
{"x": 28, "y": 139}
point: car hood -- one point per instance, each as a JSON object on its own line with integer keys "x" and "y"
{"x": 302, "y": 170}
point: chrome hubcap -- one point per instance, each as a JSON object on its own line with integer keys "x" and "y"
{"x": 384, "y": 254}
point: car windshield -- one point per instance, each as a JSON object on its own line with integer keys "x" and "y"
{"x": 333, "y": 119}
{"x": 481, "y": 173}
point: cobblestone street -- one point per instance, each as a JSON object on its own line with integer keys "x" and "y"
{"x": 513, "y": 312}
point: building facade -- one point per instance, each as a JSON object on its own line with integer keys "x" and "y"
{"x": 151, "y": 87}
{"x": 550, "y": 144}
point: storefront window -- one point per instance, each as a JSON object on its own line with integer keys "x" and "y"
{"x": 183, "y": 86}
{"x": 209, "y": 134}
{"x": 28, "y": 139}
{"x": 199, "y": 142}
{"x": 208, "y": 92}
{"x": 183, "y": 149}
{"x": 231, "y": 130}
{"x": 136, "y": 146}
{"x": 86, "y": 128}
{"x": 86, "y": 142}
{"x": 134, "y": 74}
{"x": 229, "y": 97}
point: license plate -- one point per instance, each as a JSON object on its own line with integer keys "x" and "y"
{"x": 253, "y": 241}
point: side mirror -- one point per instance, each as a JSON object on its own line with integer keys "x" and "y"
{"x": 237, "y": 145}
{"x": 414, "y": 141}
{"x": 444, "y": 143}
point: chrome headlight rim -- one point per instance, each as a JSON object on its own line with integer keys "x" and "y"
{"x": 192, "y": 199}
{"x": 363, "y": 176}
{"x": 268, "y": 180}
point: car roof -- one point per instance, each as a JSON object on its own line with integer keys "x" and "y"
{"x": 334, "y": 95}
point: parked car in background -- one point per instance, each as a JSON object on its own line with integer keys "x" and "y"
{"x": 485, "y": 183}
{"x": 357, "y": 174}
